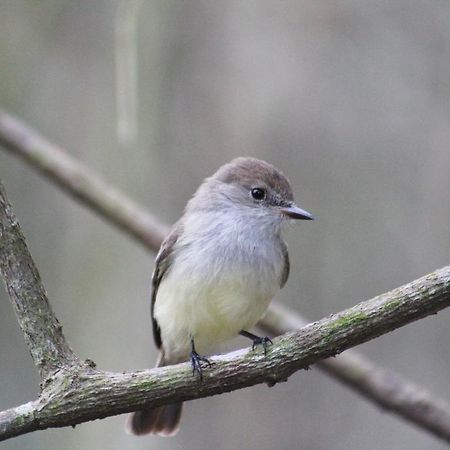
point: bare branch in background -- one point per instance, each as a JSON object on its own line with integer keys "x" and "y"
{"x": 80, "y": 182}
{"x": 64, "y": 404}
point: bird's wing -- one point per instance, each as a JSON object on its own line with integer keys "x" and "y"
{"x": 162, "y": 265}
{"x": 285, "y": 273}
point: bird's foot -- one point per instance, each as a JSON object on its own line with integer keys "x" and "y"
{"x": 257, "y": 340}
{"x": 198, "y": 363}
{"x": 264, "y": 341}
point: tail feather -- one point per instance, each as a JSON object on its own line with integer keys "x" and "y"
{"x": 163, "y": 420}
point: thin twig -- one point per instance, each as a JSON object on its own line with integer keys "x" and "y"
{"x": 126, "y": 37}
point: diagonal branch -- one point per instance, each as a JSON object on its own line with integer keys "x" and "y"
{"x": 383, "y": 387}
{"x": 80, "y": 182}
{"x": 82, "y": 393}
{"x": 46, "y": 343}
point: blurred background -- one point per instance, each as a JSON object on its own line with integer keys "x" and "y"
{"x": 350, "y": 99}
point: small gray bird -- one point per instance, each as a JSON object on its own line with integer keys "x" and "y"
{"x": 217, "y": 271}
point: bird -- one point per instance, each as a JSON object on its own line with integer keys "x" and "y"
{"x": 217, "y": 271}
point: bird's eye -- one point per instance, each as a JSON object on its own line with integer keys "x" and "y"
{"x": 258, "y": 193}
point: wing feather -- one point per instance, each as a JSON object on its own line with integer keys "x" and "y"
{"x": 286, "y": 268}
{"x": 162, "y": 265}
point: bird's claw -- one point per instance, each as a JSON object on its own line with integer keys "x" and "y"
{"x": 264, "y": 341}
{"x": 196, "y": 362}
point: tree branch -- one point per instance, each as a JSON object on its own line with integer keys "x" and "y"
{"x": 81, "y": 393}
{"x": 46, "y": 343}
{"x": 80, "y": 182}
{"x": 385, "y": 388}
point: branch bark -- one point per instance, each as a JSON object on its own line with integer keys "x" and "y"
{"x": 385, "y": 388}
{"x": 81, "y": 393}
{"x": 42, "y": 331}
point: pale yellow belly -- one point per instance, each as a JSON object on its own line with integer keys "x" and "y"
{"x": 209, "y": 313}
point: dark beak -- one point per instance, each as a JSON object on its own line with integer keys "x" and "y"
{"x": 294, "y": 212}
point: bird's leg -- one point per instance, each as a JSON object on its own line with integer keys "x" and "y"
{"x": 197, "y": 360}
{"x": 257, "y": 340}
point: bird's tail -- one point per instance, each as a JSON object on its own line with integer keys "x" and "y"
{"x": 163, "y": 420}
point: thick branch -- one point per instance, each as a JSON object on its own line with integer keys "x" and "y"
{"x": 78, "y": 181}
{"x": 87, "y": 394}
{"x": 385, "y": 388}
{"x": 40, "y": 327}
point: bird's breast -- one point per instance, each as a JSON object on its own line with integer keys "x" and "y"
{"x": 213, "y": 291}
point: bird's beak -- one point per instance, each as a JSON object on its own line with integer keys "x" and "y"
{"x": 294, "y": 212}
